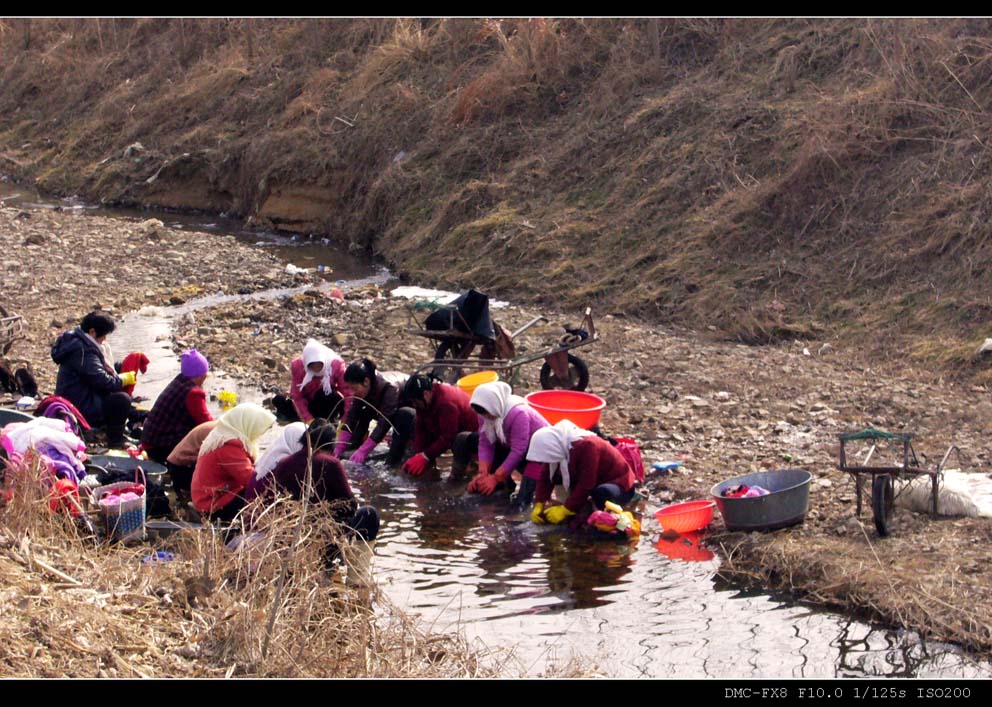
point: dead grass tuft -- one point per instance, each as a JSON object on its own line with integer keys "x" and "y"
{"x": 269, "y": 609}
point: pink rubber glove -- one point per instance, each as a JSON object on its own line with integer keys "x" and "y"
{"x": 344, "y": 436}
{"x": 416, "y": 464}
{"x": 362, "y": 453}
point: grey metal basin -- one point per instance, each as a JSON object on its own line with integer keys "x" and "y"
{"x": 785, "y": 505}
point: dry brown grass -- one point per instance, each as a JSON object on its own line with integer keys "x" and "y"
{"x": 933, "y": 583}
{"x": 742, "y": 173}
{"x": 74, "y": 609}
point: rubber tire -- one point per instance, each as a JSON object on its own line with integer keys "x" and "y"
{"x": 576, "y": 365}
{"x": 881, "y": 502}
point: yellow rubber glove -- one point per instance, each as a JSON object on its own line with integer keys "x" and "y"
{"x": 128, "y": 378}
{"x": 537, "y": 514}
{"x": 558, "y": 514}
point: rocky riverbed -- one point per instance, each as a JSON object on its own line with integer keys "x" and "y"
{"x": 722, "y": 409}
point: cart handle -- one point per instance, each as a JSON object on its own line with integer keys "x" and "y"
{"x": 528, "y": 325}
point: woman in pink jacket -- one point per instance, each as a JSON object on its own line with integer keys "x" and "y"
{"x": 317, "y": 388}
{"x": 506, "y": 425}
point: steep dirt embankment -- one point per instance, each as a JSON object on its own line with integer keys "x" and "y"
{"x": 771, "y": 178}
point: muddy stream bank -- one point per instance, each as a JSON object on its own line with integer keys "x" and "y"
{"x": 461, "y": 563}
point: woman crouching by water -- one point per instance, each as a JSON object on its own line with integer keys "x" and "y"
{"x": 225, "y": 465}
{"x": 329, "y": 483}
{"x": 589, "y": 467}
{"x": 506, "y": 425}
{"x": 373, "y": 398}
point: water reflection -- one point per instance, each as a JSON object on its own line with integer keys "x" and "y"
{"x": 554, "y": 594}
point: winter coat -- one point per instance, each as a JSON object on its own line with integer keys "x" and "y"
{"x": 448, "y": 414}
{"x": 592, "y": 462}
{"x": 85, "y": 378}
{"x": 379, "y": 404}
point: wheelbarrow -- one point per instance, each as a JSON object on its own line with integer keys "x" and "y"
{"x": 464, "y": 326}
{"x": 882, "y": 477}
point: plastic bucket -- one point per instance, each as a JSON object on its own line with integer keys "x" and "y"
{"x": 472, "y": 381}
{"x": 786, "y": 503}
{"x": 583, "y": 409}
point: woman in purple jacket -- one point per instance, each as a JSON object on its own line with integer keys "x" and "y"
{"x": 506, "y": 424}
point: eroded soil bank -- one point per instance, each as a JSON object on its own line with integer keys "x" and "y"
{"x": 722, "y": 409}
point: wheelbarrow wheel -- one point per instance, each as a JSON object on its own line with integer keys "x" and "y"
{"x": 578, "y": 376}
{"x": 881, "y": 502}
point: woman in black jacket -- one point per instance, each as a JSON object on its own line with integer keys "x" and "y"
{"x": 374, "y": 399}
{"x": 89, "y": 381}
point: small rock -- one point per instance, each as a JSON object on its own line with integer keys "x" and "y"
{"x": 340, "y": 339}
{"x": 133, "y": 150}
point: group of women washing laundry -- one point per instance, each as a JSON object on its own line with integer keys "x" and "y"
{"x": 340, "y": 411}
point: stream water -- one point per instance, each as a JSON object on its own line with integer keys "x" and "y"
{"x": 548, "y": 596}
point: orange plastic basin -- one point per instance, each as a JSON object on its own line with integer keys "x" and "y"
{"x": 686, "y": 517}
{"x": 583, "y": 409}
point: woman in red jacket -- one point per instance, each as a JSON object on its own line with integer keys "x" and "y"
{"x": 226, "y": 462}
{"x": 442, "y": 411}
{"x": 588, "y": 466}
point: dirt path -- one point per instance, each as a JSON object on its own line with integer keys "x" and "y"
{"x": 725, "y": 409}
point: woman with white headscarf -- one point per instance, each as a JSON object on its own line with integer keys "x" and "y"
{"x": 290, "y": 441}
{"x": 317, "y": 386}
{"x": 587, "y": 466}
{"x": 506, "y": 425}
{"x": 225, "y": 465}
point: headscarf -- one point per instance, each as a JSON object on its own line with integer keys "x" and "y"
{"x": 497, "y": 399}
{"x": 315, "y": 351}
{"x": 245, "y": 423}
{"x": 553, "y": 445}
{"x": 287, "y": 443}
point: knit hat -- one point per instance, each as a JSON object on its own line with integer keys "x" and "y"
{"x": 193, "y": 364}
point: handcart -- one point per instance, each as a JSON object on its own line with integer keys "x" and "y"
{"x": 883, "y": 476}
{"x": 464, "y": 326}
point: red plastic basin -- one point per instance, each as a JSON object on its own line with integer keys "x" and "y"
{"x": 583, "y": 409}
{"x": 686, "y": 517}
